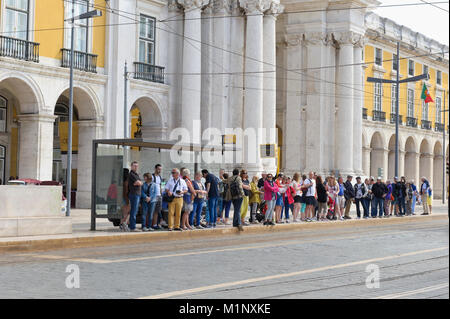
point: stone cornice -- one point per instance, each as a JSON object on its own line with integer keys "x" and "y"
{"x": 49, "y": 118}
{"x": 222, "y": 6}
{"x": 275, "y": 8}
{"x": 317, "y": 38}
{"x": 349, "y": 38}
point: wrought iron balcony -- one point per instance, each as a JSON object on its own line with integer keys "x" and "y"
{"x": 364, "y": 114}
{"x": 393, "y": 118}
{"x": 81, "y": 60}
{"x": 411, "y": 121}
{"x": 379, "y": 116}
{"x": 148, "y": 72}
{"x": 426, "y": 125}
{"x": 439, "y": 127}
{"x": 19, "y": 49}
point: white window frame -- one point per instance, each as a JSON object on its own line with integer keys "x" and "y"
{"x": 425, "y": 69}
{"x": 147, "y": 40}
{"x": 425, "y": 111}
{"x": 380, "y": 58}
{"x": 68, "y": 26}
{"x": 410, "y": 103}
{"x": 438, "y": 77}
{"x": 394, "y": 61}
{"x": 4, "y": 111}
{"x": 411, "y": 62}
{"x": 393, "y": 97}
{"x": 31, "y": 7}
{"x": 438, "y": 110}
{"x": 378, "y": 97}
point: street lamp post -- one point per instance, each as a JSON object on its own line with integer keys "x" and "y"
{"x": 397, "y": 82}
{"x": 87, "y": 15}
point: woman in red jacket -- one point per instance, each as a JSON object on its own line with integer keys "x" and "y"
{"x": 270, "y": 196}
{"x": 288, "y": 198}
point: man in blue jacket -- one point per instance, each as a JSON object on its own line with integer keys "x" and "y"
{"x": 148, "y": 199}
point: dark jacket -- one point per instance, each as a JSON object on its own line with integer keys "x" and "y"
{"x": 349, "y": 191}
{"x": 322, "y": 196}
{"x": 379, "y": 189}
{"x": 399, "y": 190}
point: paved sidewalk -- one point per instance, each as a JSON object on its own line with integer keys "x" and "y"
{"x": 106, "y": 234}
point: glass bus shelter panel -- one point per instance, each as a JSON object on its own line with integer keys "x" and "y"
{"x": 109, "y": 181}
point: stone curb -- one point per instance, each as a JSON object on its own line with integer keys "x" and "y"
{"x": 119, "y": 238}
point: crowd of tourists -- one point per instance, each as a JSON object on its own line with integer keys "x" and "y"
{"x": 267, "y": 200}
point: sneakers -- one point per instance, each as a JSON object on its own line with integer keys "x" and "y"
{"x": 177, "y": 229}
{"x": 240, "y": 228}
{"x": 144, "y": 229}
{"x": 347, "y": 217}
{"x": 199, "y": 227}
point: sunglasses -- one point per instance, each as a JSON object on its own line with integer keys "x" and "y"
{"x": 174, "y": 172}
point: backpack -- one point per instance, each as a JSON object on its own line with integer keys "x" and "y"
{"x": 235, "y": 190}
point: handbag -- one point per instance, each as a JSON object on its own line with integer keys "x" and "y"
{"x": 168, "y": 199}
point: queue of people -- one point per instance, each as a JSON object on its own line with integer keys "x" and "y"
{"x": 266, "y": 200}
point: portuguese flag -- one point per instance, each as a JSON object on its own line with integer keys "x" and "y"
{"x": 426, "y": 95}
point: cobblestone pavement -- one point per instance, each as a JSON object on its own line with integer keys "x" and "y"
{"x": 410, "y": 260}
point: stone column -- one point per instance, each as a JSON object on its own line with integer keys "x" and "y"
{"x": 88, "y": 131}
{"x": 345, "y": 103}
{"x": 401, "y": 162}
{"x": 253, "y": 92}
{"x": 358, "y": 104}
{"x": 294, "y": 142}
{"x": 192, "y": 62}
{"x": 427, "y": 160}
{"x": 270, "y": 83}
{"x": 417, "y": 170}
{"x": 366, "y": 160}
{"x": 36, "y": 146}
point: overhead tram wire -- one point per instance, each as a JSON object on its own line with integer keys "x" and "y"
{"x": 231, "y": 52}
{"x": 422, "y": 3}
{"x": 256, "y": 60}
{"x": 434, "y": 5}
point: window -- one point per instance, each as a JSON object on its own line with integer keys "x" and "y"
{"x": 378, "y": 56}
{"x": 439, "y": 77}
{"x": 3, "y": 114}
{"x": 2, "y": 164}
{"x": 16, "y": 19}
{"x": 411, "y": 67}
{"x": 425, "y": 69}
{"x": 378, "y": 93}
{"x": 424, "y": 111}
{"x": 147, "y": 40}
{"x": 81, "y": 35}
{"x": 393, "y": 97}
{"x": 410, "y": 103}
{"x": 394, "y": 62}
{"x": 438, "y": 110}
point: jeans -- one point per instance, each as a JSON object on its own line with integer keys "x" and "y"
{"x": 366, "y": 205}
{"x": 373, "y": 207}
{"x": 134, "y": 207}
{"x": 413, "y": 204}
{"x": 401, "y": 205}
{"x": 270, "y": 208}
{"x": 286, "y": 208}
{"x": 212, "y": 209}
{"x": 237, "y": 211}
{"x": 196, "y": 213}
{"x": 358, "y": 210}
{"x": 226, "y": 204}
{"x": 377, "y": 203}
{"x": 219, "y": 206}
{"x": 147, "y": 209}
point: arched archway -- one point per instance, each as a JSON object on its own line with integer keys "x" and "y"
{"x": 426, "y": 161}
{"x": 85, "y": 128}
{"x": 411, "y": 160}
{"x": 27, "y": 128}
{"x": 378, "y": 156}
{"x": 438, "y": 175}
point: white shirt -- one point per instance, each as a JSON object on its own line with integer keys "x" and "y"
{"x": 181, "y": 186}
{"x": 157, "y": 181}
{"x": 312, "y": 189}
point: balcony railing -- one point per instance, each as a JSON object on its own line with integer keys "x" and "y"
{"x": 379, "y": 116}
{"x": 148, "y": 72}
{"x": 81, "y": 60}
{"x": 411, "y": 121}
{"x": 426, "y": 125}
{"x": 439, "y": 127}
{"x": 19, "y": 49}
{"x": 393, "y": 118}
{"x": 364, "y": 114}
